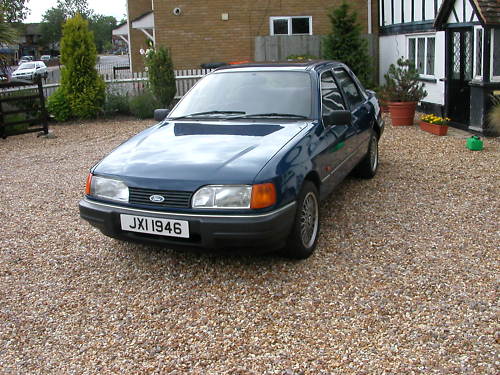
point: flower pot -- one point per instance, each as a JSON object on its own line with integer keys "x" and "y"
{"x": 383, "y": 106}
{"x": 433, "y": 128}
{"x": 402, "y": 113}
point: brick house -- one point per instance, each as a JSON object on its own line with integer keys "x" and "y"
{"x": 198, "y": 32}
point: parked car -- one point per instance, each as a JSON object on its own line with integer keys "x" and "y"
{"x": 30, "y": 70}
{"x": 243, "y": 160}
{"x": 45, "y": 58}
{"x": 27, "y": 58}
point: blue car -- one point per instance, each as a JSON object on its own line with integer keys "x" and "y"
{"x": 242, "y": 161}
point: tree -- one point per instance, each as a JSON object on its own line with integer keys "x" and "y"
{"x": 82, "y": 90}
{"x": 346, "y": 44}
{"x": 161, "y": 75}
{"x": 8, "y": 35}
{"x": 102, "y": 27}
{"x": 14, "y": 10}
{"x": 72, "y": 7}
{"x": 51, "y": 26}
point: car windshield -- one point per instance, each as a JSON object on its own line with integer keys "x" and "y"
{"x": 233, "y": 94}
{"x": 27, "y": 66}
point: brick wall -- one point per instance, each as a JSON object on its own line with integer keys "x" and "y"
{"x": 137, "y": 8}
{"x": 199, "y": 35}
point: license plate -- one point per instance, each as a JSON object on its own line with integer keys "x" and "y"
{"x": 152, "y": 225}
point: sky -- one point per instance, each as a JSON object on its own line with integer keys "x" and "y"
{"x": 114, "y": 8}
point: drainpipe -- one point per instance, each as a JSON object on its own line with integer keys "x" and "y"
{"x": 369, "y": 3}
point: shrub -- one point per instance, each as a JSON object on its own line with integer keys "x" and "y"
{"x": 58, "y": 106}
{"x": 116, "y": 103}
{"x": 143, "y": 105}
{"x": 402, "y": 83}
{"x": 346, "y": 44}
{"x": 161, "y": 75}
{"x": 494, "y": 116}
{"x": 83, "y": 89}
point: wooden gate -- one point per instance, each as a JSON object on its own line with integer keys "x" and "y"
{"x": 22, "y": 107}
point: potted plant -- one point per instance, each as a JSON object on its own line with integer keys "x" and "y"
{"x": 434, "y": 124}
{"x": 403, "y": 90}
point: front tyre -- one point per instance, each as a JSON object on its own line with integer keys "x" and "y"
{"x": 304, "y": 236}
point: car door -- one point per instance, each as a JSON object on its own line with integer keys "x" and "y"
{"x": 334, "y": 138}
{"x": 362, "y": 113}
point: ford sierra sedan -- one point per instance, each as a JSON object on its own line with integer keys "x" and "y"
{"x": 242, "y": 161}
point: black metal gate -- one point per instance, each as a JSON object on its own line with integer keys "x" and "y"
{"x": 459, "y": 67}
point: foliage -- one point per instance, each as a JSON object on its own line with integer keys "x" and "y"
{"x": 14, "y": 10}
{"x": 161, "y": 75}
{"x": 402, "y": 84}
{"x": 73, "y": 7}
{"x": 346, "y": 44}
{"x": 143, "y": 105}
{"x": 436, "y": 120}
{"x": 51, "y": 26}
{"x": 494, "y": 116}
{"x": 81, "y": 85}
{"x": 102, "y": 27}
{"x": 116, "y": 103}
{"x": 8, "y": 35}
{"x": 302, "y": 57}
{"x": 58, "y": 106}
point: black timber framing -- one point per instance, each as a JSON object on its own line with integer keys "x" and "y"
{"x": 408, "y": 28}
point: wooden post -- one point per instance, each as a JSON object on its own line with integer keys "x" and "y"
{"x": 43, "y": 111}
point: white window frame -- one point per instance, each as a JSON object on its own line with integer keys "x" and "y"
{"x": 416, "y": 37}
{"x": 289, "y": 20}
{"x": 478, "y": 77}
{"x": 492, "y": 77}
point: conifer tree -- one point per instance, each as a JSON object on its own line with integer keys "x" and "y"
{"x": 161, "y": 75}
{"x": 82, "y": 89}
{"x": 346, "y": 44}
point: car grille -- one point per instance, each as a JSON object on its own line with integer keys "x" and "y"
{"x": 179, "y": 199}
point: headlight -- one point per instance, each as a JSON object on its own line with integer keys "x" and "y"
{"x": 107, "y": 188}
{"x": 235, "y": 196}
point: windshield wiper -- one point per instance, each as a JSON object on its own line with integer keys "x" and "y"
{"x": 209, "y": 113}
{"x": 271, "y": 114}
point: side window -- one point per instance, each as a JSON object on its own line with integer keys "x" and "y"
{"x": 331, "y": 98}
{"x": 353, "y": 96}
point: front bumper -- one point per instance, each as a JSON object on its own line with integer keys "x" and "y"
{"x": 267, "y": 231}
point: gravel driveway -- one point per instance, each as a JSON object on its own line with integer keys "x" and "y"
{"x": 405, "y": 279}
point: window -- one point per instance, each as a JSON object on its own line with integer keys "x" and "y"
{"x": 478, "y": 52}
{"x": 353, "y": 96}
{"x": 495, "y": 54}
{"x": 291, "y": 25}
{"x": 331, "y": 98}
{"x": 422, "y": 52}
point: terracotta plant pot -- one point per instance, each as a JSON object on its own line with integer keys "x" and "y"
{"x": 383, "y": 106}
{"x": 402, "y": 113}
{"x": 433, "y": 128}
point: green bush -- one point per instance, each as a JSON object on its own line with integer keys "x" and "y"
{"x": 18, "y": 128}
{"x": 143, "y": 105}
{"x": 402, "y": 83}
{"x": 81, "y": 86}
{"x": 58, "y": 106}
{"x": 161, "y": 75}
{"x": 116, "y": 104}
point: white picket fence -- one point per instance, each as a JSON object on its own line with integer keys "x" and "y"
{"x": 185, "y": 79}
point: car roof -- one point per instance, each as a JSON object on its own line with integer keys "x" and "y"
{"x": 283, "y": 66}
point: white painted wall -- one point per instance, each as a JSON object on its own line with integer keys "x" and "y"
{"x": 406, "y": 4}
{"x": 394, "y": 46}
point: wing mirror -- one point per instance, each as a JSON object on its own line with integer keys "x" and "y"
{"x": 160, "y": 114}
{"x": 337, "y": 118}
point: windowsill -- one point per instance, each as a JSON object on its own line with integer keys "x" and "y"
{"x": 427, "y": 79}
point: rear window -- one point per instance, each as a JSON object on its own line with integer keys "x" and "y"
{"x": 250, "y": 92}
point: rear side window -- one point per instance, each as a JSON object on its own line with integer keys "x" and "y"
{"x": 331, "y": 98}
{"x": 351, "y": 91}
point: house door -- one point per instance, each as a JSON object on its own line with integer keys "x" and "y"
{"x": 459, "y": 58}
